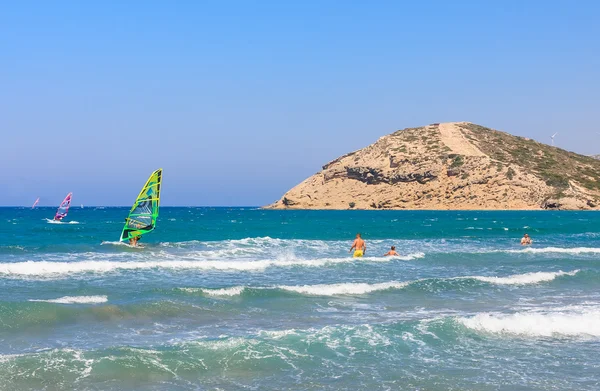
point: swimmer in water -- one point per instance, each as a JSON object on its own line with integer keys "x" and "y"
{"x": 526, "y": 240}
{"x": 392, "y": 252}
{"x": 359, "y": 246}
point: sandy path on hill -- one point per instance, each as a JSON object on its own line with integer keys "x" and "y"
{"x": 454, "y": 139}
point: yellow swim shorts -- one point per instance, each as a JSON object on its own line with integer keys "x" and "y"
{"x": 358, "y": 254}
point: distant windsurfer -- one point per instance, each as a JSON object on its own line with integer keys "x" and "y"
{"x": 526, "y": 240}
{"x": 63, "y": 209}
{"x": 359, "y": 246}
{"x": 392, "y": 252}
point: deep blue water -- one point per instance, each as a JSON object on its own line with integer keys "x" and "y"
{"x": 242, "y": 298}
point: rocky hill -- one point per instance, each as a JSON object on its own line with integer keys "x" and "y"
{"x": 451, "y": 166}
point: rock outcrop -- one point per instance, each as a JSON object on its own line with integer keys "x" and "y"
{"x": 451, "y": 166}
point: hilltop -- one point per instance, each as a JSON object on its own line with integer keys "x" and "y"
{"x": 457, "y": 165}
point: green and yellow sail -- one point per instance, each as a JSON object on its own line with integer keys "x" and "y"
{"x": 143, "y": 213}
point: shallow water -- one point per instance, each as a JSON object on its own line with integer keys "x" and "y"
{"x": 270, "y": 300}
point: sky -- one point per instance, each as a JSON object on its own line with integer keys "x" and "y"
{"x": 238, "y": 101}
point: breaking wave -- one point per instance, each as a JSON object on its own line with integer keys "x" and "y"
{"x": 560, "y": 250}
{"x": 233, "y": 291}
{"x": 343, "y": 289}
{"x": 52, "y": 221}
{"x": 50, "y": 269}
{"x": 584, "y": 322}
{"x": 357, "y": 288}
{"x": 75, "y": 300}
{"x": 524, "y": 279}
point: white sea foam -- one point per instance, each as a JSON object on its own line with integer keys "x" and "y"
{"x": 317, "y": 290}
{"x": 343, "y": 288}
{"x": 524, "y": 279}
{"x": 13, "y": 247}
{"x": 52, "y": 221}
{"x": 537, "y": 324}
{"x": 188, "y": 243}
{"x": 49, "y": 268}
{"x": 363, "y": 288}
{"x": 233, "y": 291}
{"x": 75, "y": 300}
{"x": 277, "y": 334}
{"x": 190, "y": 290}
{"x": 115, "y": 243}
{"x": 561, "y": 250}
{"x": 268, "y": 247}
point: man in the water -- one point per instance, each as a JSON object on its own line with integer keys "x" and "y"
{"x": 526, "y": 240}
{"x": 359, "y": 247}
{"x": 392, "y": 252}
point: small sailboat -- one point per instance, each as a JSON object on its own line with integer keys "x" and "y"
{"x": 37, "y": 201}
{"x": 63, "y": 209}
{"x": 144, "y": 212}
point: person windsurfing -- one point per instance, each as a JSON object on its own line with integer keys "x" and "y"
{"x": 63, "y": 209}
{"x": 134, "y": 240}
{"x": 144, "y": 212}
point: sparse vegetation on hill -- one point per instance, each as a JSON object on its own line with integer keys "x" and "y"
{"x": 555, "y": 166}
{"x": 451, "y": 166}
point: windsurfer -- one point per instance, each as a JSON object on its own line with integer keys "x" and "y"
{"x": 134, "y": 240}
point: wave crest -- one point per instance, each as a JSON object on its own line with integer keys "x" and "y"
{"x": 524, "y": 279}
{"x": 560, "y": 250}
{"x": 49, "y": 268}
{"x": 75, "y": 300}
{"x": 548, "y": 324}
{"x": 343, "y": 288}
{"x": 359, "y": 288}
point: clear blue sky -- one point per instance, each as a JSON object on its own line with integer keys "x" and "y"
{"x": 240, "y": 100}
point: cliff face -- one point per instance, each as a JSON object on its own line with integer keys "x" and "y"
{"x": 451, "y": 166}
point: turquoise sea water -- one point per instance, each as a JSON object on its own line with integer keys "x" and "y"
{"x": 236, "y": 299}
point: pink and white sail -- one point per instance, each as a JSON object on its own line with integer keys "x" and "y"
{"x": 37, "y": 201}
{"x": 63, "y": 209}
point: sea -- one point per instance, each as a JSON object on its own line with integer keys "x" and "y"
{"x": 251, "y": 299}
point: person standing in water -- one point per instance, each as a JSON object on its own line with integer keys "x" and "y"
{"x": 134, "y": 240}
{"x": 392, "y": 252}
{"x": 526, "y": 240}
{"x": 359, "y": 246}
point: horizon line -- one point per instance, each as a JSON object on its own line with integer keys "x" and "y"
{"x": 129, "y": 206}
